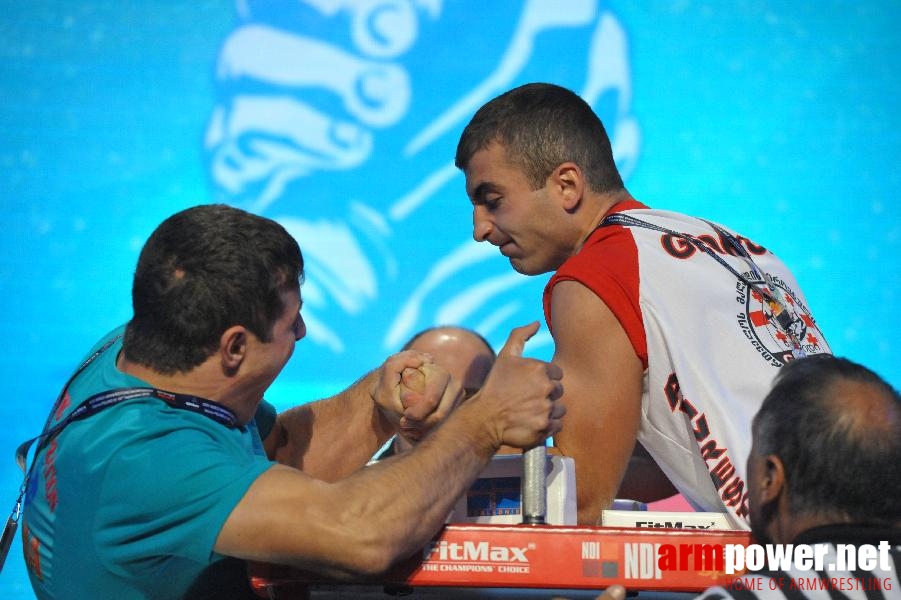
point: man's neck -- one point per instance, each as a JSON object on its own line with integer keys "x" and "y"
{"x": 201, "y": 381}
{"x": 850, "y": 532}
{"x": 788, "y": 525}
{"x": 602, "y": 205}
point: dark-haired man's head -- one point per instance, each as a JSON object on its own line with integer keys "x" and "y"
{"x": 827, "y": 445}
{"x": 203, "y": 270}
{"x": 542, "y": 125}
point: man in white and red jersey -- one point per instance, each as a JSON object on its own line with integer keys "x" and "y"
{"x": 669, "y": 329}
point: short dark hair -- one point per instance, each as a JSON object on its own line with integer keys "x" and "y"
{"x": 541, "y": 126}
{"x": 202, "y": 271}
{"x": 839, "y": 457}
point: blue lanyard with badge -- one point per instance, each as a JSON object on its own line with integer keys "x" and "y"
{"x": 96, "y": 403}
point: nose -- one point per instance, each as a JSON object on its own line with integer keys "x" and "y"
{"x": 300, "y": 328}
{"x": 481, "y": 224}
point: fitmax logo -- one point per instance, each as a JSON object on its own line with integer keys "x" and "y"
{"x": 476, "y": 552}
{"x": 673, "y": 525}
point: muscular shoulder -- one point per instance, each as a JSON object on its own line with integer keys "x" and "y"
{"x": 610, "y": 251}
{"x": 604, "y": 274}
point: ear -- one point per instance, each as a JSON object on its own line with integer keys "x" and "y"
{"x": 567, "y": 182}
{"x": 772, "y": 480}
{"x": 233, "y": 347}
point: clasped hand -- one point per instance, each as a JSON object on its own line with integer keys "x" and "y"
{"x": 414, "y": 393}
{"x": 519, "y": 399}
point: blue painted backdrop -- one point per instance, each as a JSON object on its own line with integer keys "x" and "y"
{"x": 340, "y": 119}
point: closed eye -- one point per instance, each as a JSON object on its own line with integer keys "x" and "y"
{"x": 492, "y": 203}
{"x": 486, "y": 194}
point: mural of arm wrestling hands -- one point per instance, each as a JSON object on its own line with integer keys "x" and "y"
{"x": 268, "y": 133}
{"x": 605, "y": 77}
{"x": 304, "y": 86}
{"x": 312, "y": 88}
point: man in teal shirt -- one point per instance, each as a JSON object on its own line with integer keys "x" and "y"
{"x": 188, "y": 470}
{"x": 165, "y": 473}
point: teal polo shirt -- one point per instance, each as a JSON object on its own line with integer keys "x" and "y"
{"x": 128, "y": 503}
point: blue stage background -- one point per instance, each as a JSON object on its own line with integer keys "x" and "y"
{"x": 340, "y": 120}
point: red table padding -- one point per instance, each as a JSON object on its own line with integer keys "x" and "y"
{"x": 545, "y": 556}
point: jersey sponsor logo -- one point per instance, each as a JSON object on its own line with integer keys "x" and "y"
{"x": 728, "y": 483}
{"x": 685, "y": 246}
{"x": 760, "y": 328}
{"x": 31, "y": 547}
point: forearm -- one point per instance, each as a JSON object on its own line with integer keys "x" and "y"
{"x": 417, "y": 490}
{"x": 366, "y": 522}
{"x": 363, "y": 524}
{"x": 331, "y": 438}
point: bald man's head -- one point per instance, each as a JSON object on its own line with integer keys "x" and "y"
{"x": 466, "y": 355}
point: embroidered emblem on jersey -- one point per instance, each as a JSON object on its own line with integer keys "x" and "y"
{"x": 760, "y": 328}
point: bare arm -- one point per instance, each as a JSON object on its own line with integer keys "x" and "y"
{"x": 332, "y": 438}
{"x": 603, "y": 395}
{"x": 364, "y": 523}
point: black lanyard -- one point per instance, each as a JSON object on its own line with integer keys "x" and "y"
{"x": 93, "y": 405}
{"x": 768, "y": 290}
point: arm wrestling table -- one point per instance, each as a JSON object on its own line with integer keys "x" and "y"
{"x": 486, "y": 546}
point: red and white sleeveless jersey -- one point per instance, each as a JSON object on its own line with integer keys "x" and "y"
{"x": 706, "y": 336}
